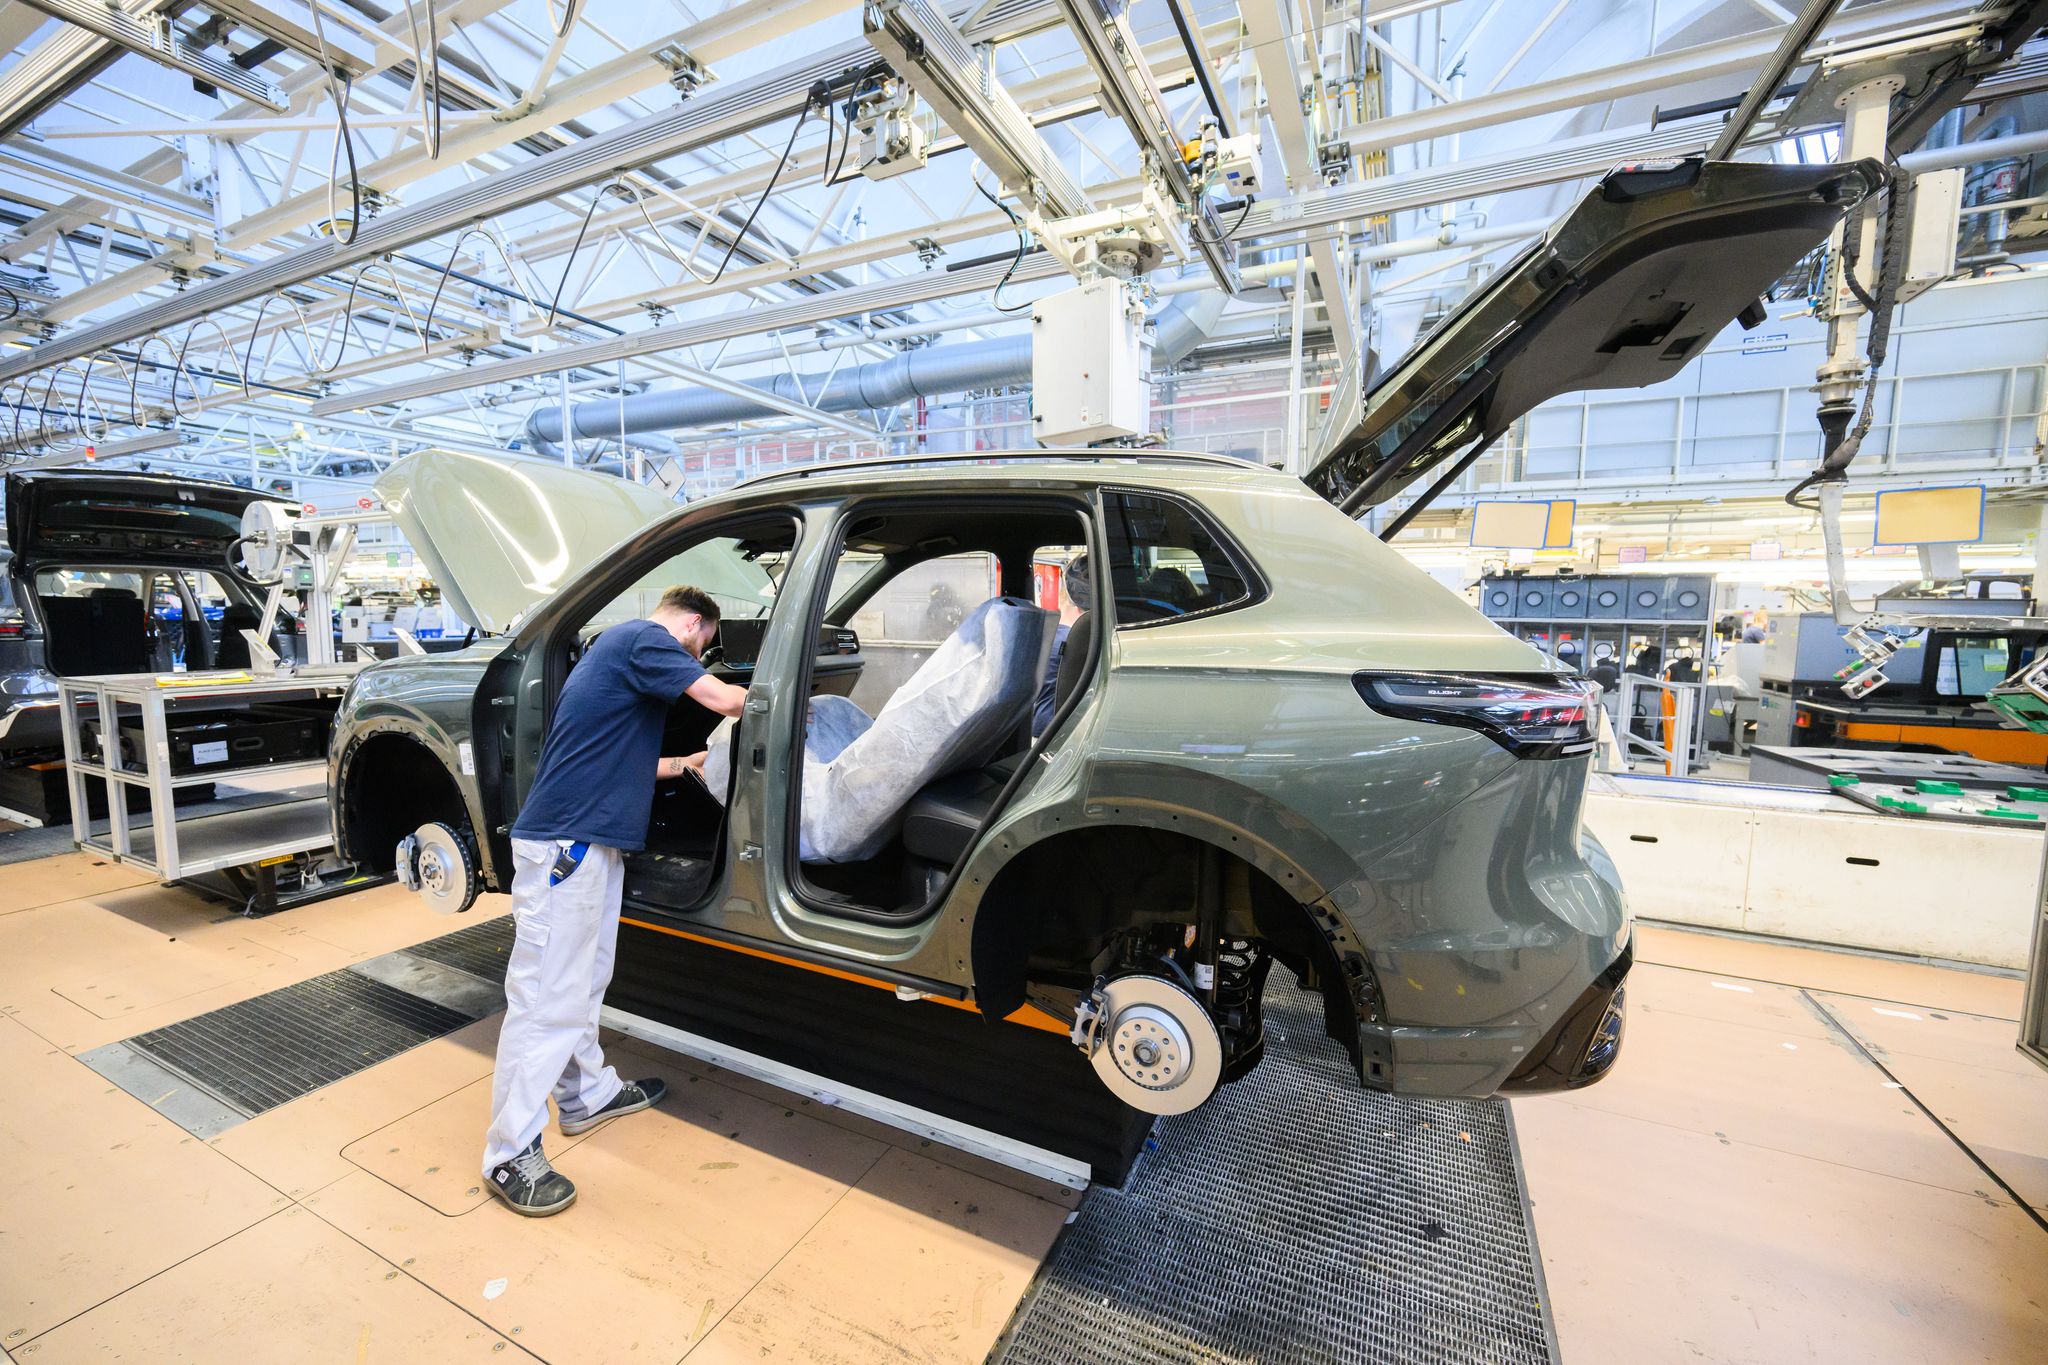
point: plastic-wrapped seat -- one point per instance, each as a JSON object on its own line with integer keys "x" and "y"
{"x": 970, "y": 698}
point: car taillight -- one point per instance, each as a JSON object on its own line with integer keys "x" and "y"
{"x": 12, "y": 627}
{"x": 1529, "y": 717}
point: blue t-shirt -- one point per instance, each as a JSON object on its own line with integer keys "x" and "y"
{"x": 596, "y": 778}
{"x": 1049, "y": 686}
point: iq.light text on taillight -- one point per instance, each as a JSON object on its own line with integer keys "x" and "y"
{"x": 1529, "y": 717}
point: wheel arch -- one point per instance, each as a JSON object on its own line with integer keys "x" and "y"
{"x": 1142, "y": 861}
{"x": 392, "y": 775}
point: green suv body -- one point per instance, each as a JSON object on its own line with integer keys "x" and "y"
{"x": 1275, "y": 740}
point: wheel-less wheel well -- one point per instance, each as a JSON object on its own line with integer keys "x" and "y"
{"x": 1066, "y": 906}
{"x": 391, "y": 785}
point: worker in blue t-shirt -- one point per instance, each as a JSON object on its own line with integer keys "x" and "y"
{"x": 589, "y": 805}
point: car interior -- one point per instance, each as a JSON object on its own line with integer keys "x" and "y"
{"x": 136, "y": 620}
{"x": 741, "y": 569}
{"x": 910, "y": 792}
{"x": 934, "y": 659}
{"x": 972, "y": 738}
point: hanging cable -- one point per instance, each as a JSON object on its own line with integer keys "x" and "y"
{"x": 1835, "y": 463}
{"x": 831, "y": 122}
{"x": 1243, "y": 212}
{"x": 339, "y": 86}
{"x": 996, "y": 295}
{"x": 426, "y": 65}
{"x": 803, "y": 115}
{"x": 846, "y": 144}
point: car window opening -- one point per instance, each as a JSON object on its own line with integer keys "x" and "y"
{"x": 969, "y": 620}
{"x": 106, "y": 620}
{"x": 741, "y": 568}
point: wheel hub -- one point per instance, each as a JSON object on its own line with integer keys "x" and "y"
{"x": 1150, "y": 1047}
{"x": 434, "y": 862}
{"x": 1152, "y": 1043}
{"x": 433, "y": 871}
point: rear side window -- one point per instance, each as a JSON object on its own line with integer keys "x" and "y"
{"x": 1166, "y": 561}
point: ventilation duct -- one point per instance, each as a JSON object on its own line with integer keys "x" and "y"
{"x": 927, "y": 373}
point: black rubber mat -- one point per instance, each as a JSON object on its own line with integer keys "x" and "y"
{"x": 259, "y": 1053}
{"x": 1297, "y": 1218}
{"x": 482, "y": 950}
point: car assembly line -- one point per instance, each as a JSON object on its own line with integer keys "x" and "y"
{"x": 1107, "y": 681}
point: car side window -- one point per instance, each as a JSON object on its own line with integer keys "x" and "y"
{"x": 1166, "y": 561}
{"x": 738, "y": 574}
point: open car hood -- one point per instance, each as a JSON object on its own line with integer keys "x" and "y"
{"x": 501, "y": 534}
{"x": 1622, "y": 292}
{"x": 116, "y": 518}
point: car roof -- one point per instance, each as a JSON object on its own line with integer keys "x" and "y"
{"x": 1167, "y": 469}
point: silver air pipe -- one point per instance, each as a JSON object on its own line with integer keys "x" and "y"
{"x": 927, "y": 373}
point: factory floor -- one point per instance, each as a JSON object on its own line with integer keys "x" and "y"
{"x": 1802, "y": 1155}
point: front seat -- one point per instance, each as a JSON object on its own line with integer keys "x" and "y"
{"x": 940, "y": 823}
{"x": 956, "y": 712}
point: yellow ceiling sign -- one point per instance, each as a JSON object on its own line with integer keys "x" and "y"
{"x": 1523, "y": 525}
{"x": 1930, "y": 516}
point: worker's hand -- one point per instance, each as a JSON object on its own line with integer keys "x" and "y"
{"x": 676, "y": 767}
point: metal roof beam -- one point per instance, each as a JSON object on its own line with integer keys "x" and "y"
{"x": 737, "y": 108}
{"x": 108, "y": 186}
{"x": 1742, "y": 56}
{"x": 921, "y": 43}
{"x": 1058, "y": 95}
{"x": 151, "y": 36}
{"x": 1522, "y": 168}
{"x": 1273, "y": 44}
{"x": 732, "y": 30}
{"x": 837, "y": 303}
{"x": 709, "y": 118}
{"x": 59, "y": 64}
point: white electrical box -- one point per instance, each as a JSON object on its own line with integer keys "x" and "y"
{"x": 1091, "y": 348}
{"x": 1237, "y": 165}
{"x": 1937, "y": 208}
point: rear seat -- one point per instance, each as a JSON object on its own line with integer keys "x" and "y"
{"x": 940, "y": 821}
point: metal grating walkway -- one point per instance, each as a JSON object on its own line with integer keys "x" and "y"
{"x": 1297, "y": 1218}
{"x": 212, "y": 1071}
{"x": 259, "y": 1053}
{"x": 482, "y": 950}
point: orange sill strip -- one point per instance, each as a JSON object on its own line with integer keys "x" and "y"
{"x": 1030, "y": 1016}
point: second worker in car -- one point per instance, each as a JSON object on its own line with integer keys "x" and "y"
{"x": 589, "y": 804}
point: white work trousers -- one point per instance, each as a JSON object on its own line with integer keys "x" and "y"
{"x": 554, "y": 985}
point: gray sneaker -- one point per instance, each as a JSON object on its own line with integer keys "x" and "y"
{"x": 530, "y": 1186}
{"x": 633, "y": 1096}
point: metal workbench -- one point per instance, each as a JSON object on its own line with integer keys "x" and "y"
{"x": 242, "y": 847}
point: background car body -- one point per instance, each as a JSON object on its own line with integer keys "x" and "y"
{"x": 116, "y": 524}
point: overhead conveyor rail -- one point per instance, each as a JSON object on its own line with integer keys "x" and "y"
{"x": 726, "y": 111}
